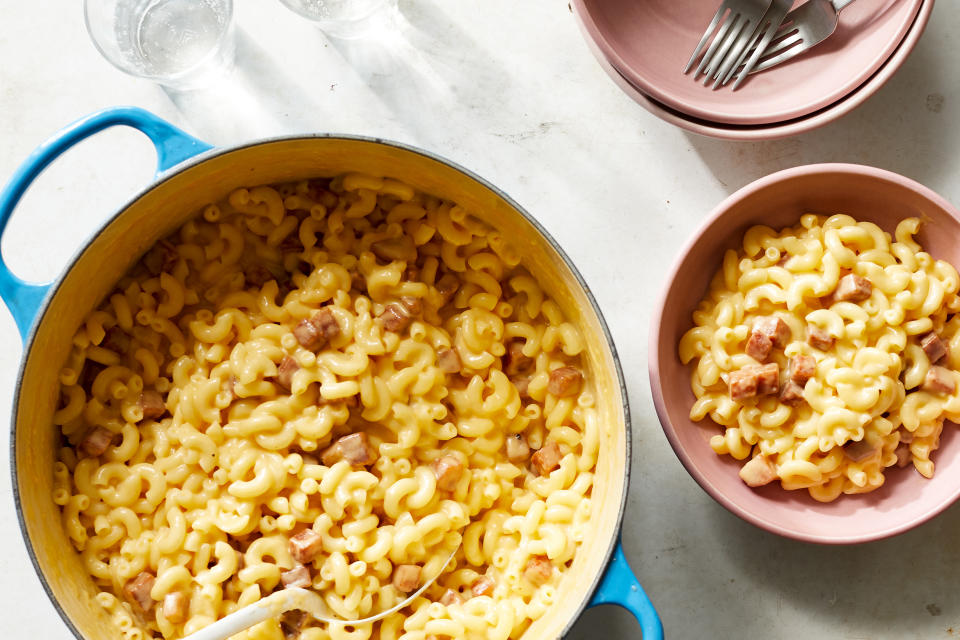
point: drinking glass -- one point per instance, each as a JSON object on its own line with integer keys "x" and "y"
{"x": 179, "y": 43}
{"x": 346, "y": 19}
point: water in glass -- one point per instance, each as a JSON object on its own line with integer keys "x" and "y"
{"x": 172, "y": 38}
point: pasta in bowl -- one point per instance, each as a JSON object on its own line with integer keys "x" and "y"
{"x": 820, "y": 300}
{"x": 357, "y": 361}
{"x": 865, "y": 325}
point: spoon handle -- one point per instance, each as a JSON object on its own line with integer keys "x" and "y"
{"x": 274, "y": 605}
{"x": 241, "y": 619}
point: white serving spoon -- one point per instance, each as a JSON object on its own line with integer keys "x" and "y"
{"x": 290, "y": 599}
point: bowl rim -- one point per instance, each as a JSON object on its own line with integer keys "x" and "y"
{"x": 690, "y": 108}
{"x": 653, "y": 346}
{"x": 771, "y": 131}
{"x": 214, "y": 152}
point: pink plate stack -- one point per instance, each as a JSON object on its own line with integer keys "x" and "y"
{"x": 644, "y": 44}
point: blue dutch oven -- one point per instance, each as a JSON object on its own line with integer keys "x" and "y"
{"x": 191, "y": 173}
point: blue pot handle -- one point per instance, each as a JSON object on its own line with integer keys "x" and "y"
{"x": 173, "y": 147}
{"x": 620, "y": 587}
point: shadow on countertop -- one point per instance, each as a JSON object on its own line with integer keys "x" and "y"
{"x": 251, "y": 100}
{"x": 904, "y": 579}
{"x": 423, "y": 66}
{"x": 902, "y": 587}
{"x": 900, "y": 128}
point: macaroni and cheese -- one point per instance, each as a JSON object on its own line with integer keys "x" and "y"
{"x": 827, "y": 352}
{"x": 329, "y": 384}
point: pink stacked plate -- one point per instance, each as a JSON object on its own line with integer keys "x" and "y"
{"x": 644, "y": 44}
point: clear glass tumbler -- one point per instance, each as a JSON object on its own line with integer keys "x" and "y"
{"x": 179, "y": 43}
{"x": 347, "y": 19}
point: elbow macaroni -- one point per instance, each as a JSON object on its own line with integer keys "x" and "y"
{"x": 206, "y": 496}
{"x": 867, "y": 385}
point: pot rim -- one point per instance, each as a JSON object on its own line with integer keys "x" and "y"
{"x": 214, "y": 152}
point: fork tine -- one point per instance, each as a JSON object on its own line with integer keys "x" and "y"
{"x": 706, "y": 36}
{"x": 750, "y": 63}
{"x": 736, "y": 56}
{"x": 732, "y": 36}
{"x": 749, "y": 59}
{"x": 760, "y": 50}
{"x": 780, "y": 37}
{"x": 788, "y": 24}
{"x": 717, "y": 42}
{"x": 744, "y": 36}
{"x": 747, "y": 51}
{"x": 782, "y": 56}
{"x": 778, "y": 48}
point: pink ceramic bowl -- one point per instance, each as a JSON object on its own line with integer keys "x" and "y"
{"x": 906, "y": 499}
{"x": 650, "y": 41}
{"x": 774, "y": 130}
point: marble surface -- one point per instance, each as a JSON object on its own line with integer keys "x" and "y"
{"x": 511, "y": 91}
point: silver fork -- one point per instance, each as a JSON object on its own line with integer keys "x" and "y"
{"x": 806, "y": 26}
{"x": 734, "y": 25}
{"x": 765, "y": 32}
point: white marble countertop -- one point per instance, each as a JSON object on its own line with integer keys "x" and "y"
{"x": 510, "y": 90}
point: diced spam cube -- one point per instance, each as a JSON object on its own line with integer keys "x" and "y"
{"x": 801, "y": 368}
{"x": 546, "y": 459}
{"x": 514, "y": 360}
{"x": 299, "y": 576}
{"x": 138, "y": 591}
{"x": 564, "y": 381}
{"x": 175, "y": 606}
{"x": 933, "y": 346}
{"x": 448, "y": 361}
{"x": 768, "y": 380}
{"x": 291, "y": 622}
{"x": 355, "y": 448}
{"x": 758, "y": 346}
{"x": 306, "y": 545}
{"x": 859, "y": 450}
{"x": 96, "y": 442}
{"x": 288, "y": 366}
{"x": 316, "y": 331}
{"x": 152, "y": 404}
{"x": 758, "y": 472}
{"x": 307, "y": 335}
{"x": 818, "y": 338}
{"x": 538, "y": 570}
{"x": 412, "y": 304}
{"x": 792, "y": 393}
{"x": 939, "y": 380}
{"x": 743, "y": 383}
{"x": 448, "y": 470}
{"x": 482, "y": 586}
{"x": 406, "y": 577}
{"x": 774, "y": 329}
{"x": 395, "y": 317}
{"x": 853, "y": 288}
